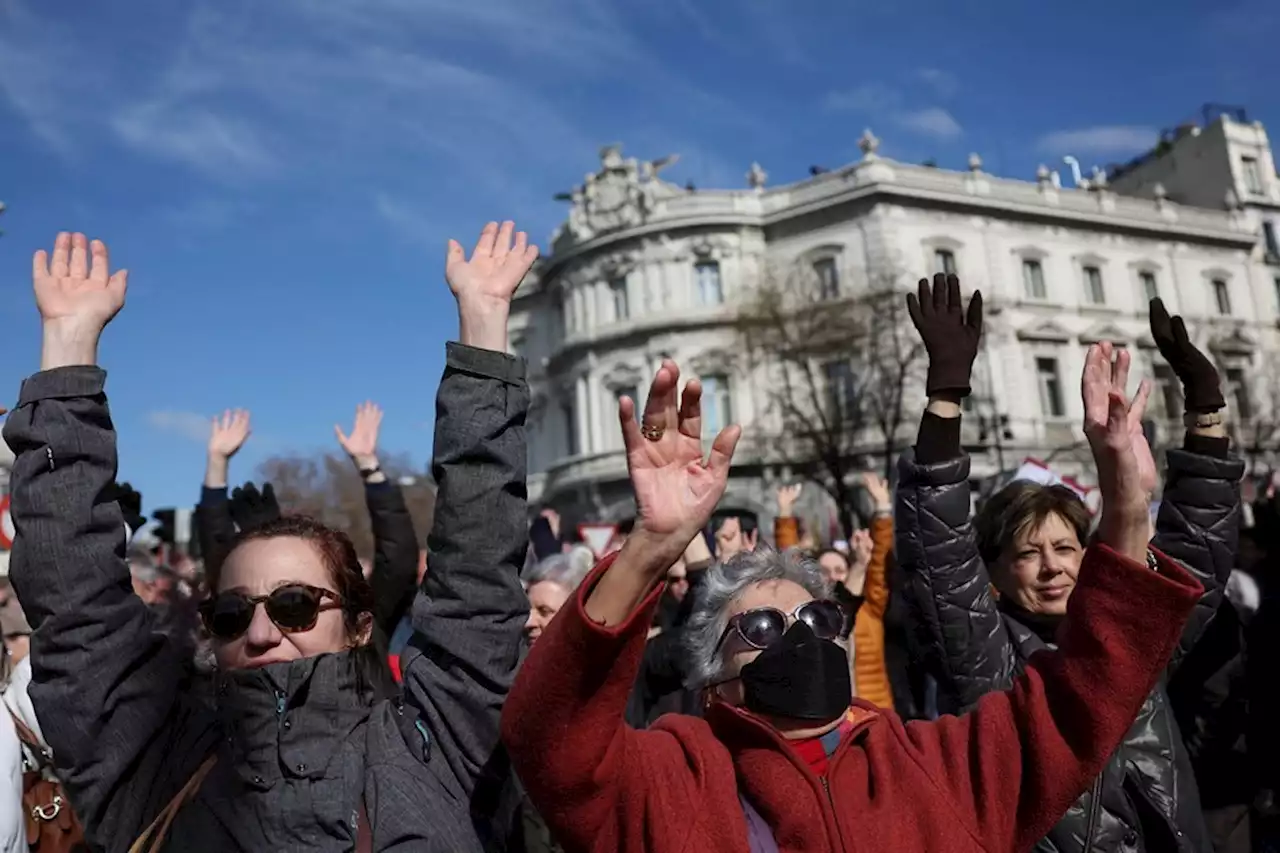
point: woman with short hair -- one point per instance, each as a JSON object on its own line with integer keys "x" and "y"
{"x": 784, "y": 760}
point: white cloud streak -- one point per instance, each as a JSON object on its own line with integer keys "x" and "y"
{"x": 933, "y": 122}
{"x": 189, "y": 425}
{"x": 1103, "y": 139}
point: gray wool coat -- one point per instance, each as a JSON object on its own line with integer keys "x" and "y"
{"x": 299, "y": 747}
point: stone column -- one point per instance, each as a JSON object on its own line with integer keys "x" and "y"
{"x": 581, "y": 402}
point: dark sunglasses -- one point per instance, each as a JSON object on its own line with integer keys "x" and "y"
{"x": 292, "y": 608}
{"x": 764, "y": 626}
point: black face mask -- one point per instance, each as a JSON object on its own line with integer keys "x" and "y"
{"x": 800, "y": 677}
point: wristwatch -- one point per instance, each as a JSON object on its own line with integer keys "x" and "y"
{"x": 366, "y": 473}
{"x": 1202, "y": 420}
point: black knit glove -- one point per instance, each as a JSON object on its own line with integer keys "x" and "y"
{"x": 251, "y": 509}
{"x": 1200, "y": 384}
{"x": 950, "y": 334}
{"x": 130, "y": 502}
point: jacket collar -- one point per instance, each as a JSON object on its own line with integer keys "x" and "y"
{"x": 286, "y": 720}
{"x": 775, "y": 778}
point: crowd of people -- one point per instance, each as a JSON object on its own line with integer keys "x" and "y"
{"x": 1028, "y": 676}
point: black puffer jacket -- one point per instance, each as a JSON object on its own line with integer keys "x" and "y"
{"x": 1146, "y": 798}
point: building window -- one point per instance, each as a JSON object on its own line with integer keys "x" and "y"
{"x": 1150, "y": 289}
{"x": 710, "y": 291}
{"x": 1238, "y": 392}
{"x": 1222, "y": 296}
{"x": 1033, "y": 279}
{"x": 618, "y": 291}
{"x": 1252, "y": 174}
{"x": 570, "y": 429}
{"x": 1050, "y": 387}
{"x": 717, "y": 406}
{"x": 944, "y": 261}
{"x": 1093, "y": 286}
{"x": 842, "y": 390}
{"x": 1169, "y": 389}
{"x": 1269, "y": 239}
{"x": 828, "y": 278}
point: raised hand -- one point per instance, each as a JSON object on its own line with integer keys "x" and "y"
{"x": 676, "y": 488}
{"x": 251, "y": 508}
{"x": 483, "y": 286}
{"x": 228, "y": 433}
{"x": 362, "y": 444}
{"x": 1201, "y": 386}
{"x": 878, "y": 488}
{"x": 787, "y": 497}
{"x": 1110, "y": 376}
{"x": 77, "y": 296}
{"x": 860, "y": 547}
{"x": 1118, "y": 450}
{"x": 951, "y": 335}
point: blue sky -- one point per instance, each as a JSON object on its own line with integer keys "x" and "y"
{"x": 280, "y": 178}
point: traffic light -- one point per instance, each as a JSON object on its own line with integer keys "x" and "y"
{"x": 166, "y": 525}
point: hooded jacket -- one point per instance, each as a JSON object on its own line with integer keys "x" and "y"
{"x": 1146, "y": 797}
{"x": 302, "y": 747}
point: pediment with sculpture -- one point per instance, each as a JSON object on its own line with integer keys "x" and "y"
{"x": 622, "y": 194}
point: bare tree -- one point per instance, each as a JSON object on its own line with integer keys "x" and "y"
{"x": 838, "y": 361}
{"x": 326, "y": 487}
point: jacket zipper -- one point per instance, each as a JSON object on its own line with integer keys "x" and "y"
{"x": 1092, "y": 824}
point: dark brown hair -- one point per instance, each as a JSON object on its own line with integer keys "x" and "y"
{"x": 1021, "y": 505}
{"x": 354, "y": 590}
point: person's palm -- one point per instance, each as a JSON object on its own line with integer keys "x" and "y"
{"x": 228, "y": 433}
{"x": 675, "y": 490}
{"x": 363, "y": 440}
{"x": 496, "y": 266}
{"x": 74, "y": 286}
{"x": 1107, "y": 375}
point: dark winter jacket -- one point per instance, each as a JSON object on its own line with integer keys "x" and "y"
{"x": 301, "y": 748}
{"x": 1146, "y": 798}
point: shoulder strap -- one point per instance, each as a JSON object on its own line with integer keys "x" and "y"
{"x": 42, "y": 752}
{"x": 364, "y": 832}
{"x": 160, "y": 826}
{"x": 759, "y": 835}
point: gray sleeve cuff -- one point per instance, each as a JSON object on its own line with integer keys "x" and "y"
{"x": 63, "y": 383}
{"x": 485, "y": 362}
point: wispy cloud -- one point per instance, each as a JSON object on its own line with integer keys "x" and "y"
{"x": 188, "y": 425}
{"x": 409, "y": 222}
{"x": 883, "y": 102}
{"x": 943, "y": 83}
{"x": 1102, "y": 139}
{"x": 934, "y": 122}
{"x": 218, "y": 145}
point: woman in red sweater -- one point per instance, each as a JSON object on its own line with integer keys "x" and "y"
{"x": 783, "y": 759}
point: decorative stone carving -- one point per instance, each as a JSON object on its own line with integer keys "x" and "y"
{"x": 975, "y": 162}
{"x": 622, "y": 376}
{"x": 756, "y": 177}
{"x": 869, "y": 144}
{"x": 1048, "y": 331}
{"x": 1159, "y": 192}
{"x": 622, "y": 194}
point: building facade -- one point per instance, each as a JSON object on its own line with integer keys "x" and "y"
{"x": 643, "y": 269}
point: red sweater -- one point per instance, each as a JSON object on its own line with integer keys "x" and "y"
{"x": 995, "y": 779}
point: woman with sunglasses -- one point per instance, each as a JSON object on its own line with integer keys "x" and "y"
{"x": 307, "y": 748}
{"x": 785, "y": 759}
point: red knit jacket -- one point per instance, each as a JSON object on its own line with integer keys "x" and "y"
{"x": 993, "y": 780}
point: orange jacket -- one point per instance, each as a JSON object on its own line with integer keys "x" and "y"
{"x": 870, "y": 674}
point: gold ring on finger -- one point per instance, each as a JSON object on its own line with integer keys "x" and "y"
{"x": 651, "y": 432}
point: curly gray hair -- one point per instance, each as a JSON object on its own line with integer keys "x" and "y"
{"x": 723, "y": 583}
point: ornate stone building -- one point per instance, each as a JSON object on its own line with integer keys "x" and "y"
{"x": 644, "y": 269}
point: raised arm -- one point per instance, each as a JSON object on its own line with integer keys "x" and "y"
{"x": 104, "y": 682}
{"x": 215, "y": 528}
{"x": 1017, "y": 761}
{"x": 395, "y": 559}
{"x": 470, "y": 612}
{"x": 937, "y": 546}
{"x": 1199, "y": 519}
{"x": 596, "y": 781}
